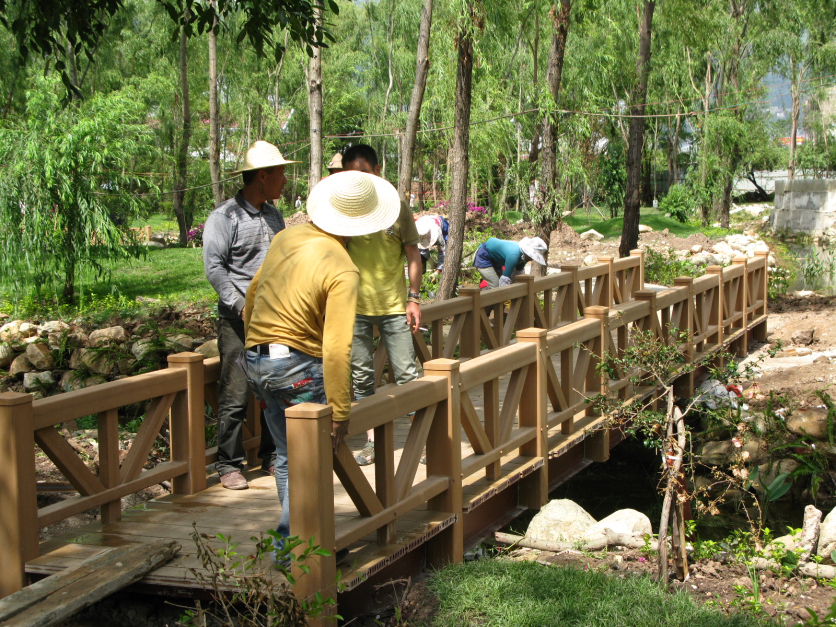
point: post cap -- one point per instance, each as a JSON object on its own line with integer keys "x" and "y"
{"x": 531, "y": 332}
{"x": 441, "y": 365}
{"x": 10, "y": 399}
{"x": 308, "y": 411}
{"x": 180, "y": 358}
{"x": 596, "y": 311}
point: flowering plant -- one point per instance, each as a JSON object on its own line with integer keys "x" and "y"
{"x": 472, "y": 207}
{"x": 195, "y": 236}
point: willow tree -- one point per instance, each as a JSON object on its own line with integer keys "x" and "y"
{"x": 65, "y": 189}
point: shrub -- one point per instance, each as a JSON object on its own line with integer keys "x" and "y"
{"x": 678, "y": 202}
{"x": 663, "y": 268}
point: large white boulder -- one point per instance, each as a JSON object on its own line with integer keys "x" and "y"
{"x": 643, "y": 228}
{"x": 592, "y": 235}
{"x": 560, "y": 520}
{"x": 827, "y": 535}
{"x": 626, "y": 522}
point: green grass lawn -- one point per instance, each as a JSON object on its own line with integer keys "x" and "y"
{"x": 504, "y": 593}
{"x": 170, "y": 274}
{"x": 611, "y": 229}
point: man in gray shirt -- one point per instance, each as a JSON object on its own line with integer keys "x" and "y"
{"x": 235, "y": 241}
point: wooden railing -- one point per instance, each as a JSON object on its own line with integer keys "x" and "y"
{"x": 527, "y": 327}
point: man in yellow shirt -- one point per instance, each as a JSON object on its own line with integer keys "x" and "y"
{"x": 299, "y": 311}
{"x": 383, "y": 301}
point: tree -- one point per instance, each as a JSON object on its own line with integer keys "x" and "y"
{"x": 632, "y": 195}
{"x": 65, "y": 199}
{"x": 181, "y": 166}
{"x": 422, "y": 66}
{"x": 314, "y": 75}
{"x": 47, "y": 28}
{"x": 460, "y": 156}
{"x": 214, "y": 118}
{"x": 548, "y": 174}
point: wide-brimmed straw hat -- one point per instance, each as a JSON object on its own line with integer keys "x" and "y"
{"x": 336, "y": 162}
{"x": 534, "y": 247}
{"x": 262, "y": 155}
{"x": 353, "y": 203}
{"x": 428, "y": 231}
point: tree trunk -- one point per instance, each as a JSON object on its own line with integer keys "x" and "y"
{"x": 315, "y": 110}
{"x": 549, "y": 211}
{"x": 214, "y": 121}
{"x": 422, "y": 67}
{"x": 73, "y": 70}
{"x": 534, "y": 153}
{"x": 632, "y": 192}
{"x": 183, "y": 153}
{"x": 460, "y": 160}
{"x": 796, "y": 108}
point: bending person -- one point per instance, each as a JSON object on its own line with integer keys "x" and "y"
{"x": 300, "y": 309}
{"x": 499, "y": 260}
{"x": 432, "y": 231}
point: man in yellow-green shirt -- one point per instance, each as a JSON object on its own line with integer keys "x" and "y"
{"x": 299, "y": 311}
{"x": 383, "y": 300}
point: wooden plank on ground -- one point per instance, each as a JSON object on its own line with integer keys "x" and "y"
{"x": 55, "y": 598}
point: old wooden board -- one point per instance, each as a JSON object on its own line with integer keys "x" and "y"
{"x": 55, "y": 598}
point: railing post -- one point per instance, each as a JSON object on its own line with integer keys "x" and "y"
{"x": 759, "y": 332}
{"x": 652, "y": 322}
{"x": 188, "y": 430}
{"x": 640, "y": 254}
{"x": 108, "y": 428}
{"x": 684, "y": 385}
{"x": 597, "y": 446}
{"x": 18, "y": 487}
{"x": 444, "y": 458}
{"x": 534, "y": 489}
{"x": 470, "y": 344}
{"x": 310, "y": 472}
{"x": 742, "y": 343}
{"x": 607, "y": 291}
{"x": 717, "y": 311}
{"x": 569, "y": 313}
{"x": 148, "y": 233}
{"x": 525, "y": 318}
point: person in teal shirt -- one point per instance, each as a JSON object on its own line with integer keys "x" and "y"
{"x": 498, "y": 260}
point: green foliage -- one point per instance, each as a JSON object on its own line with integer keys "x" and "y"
{"x": 65, "y": 192}
{"x": 816, "y": 270}
{"x": 678, "y": 202}
{"x": 663, "y": 268}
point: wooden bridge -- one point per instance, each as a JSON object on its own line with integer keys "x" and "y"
{"x": 501, "y": 407}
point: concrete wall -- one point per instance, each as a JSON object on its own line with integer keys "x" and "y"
{"x": 805, "y": 205}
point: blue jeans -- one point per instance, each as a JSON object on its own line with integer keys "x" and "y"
{"x": 281, "y": 383}
{"x": 396, "y": 339}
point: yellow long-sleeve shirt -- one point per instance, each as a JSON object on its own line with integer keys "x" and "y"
{"x": 304, "y": 295}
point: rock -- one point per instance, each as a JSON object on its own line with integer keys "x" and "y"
{"x": 10, "y": 332}
{"x": 125, "y": 365}
{"x": 722, "y": 248}
{"x": 208, "y": 349}
{"x": 70, "y": 381}
{"x": 625, "y": 521}
{"x": 153, "y": 244}
{"x": 144, "y": 348}
{"x": 590, "y": 260}
{"x": 783, "y": 544}
{"x": 93, "y": 361}
{"x": 6, "y": 354}
{"x": 827, "y": 536}
{"x": 803, "y": 351}
{"x": 179, "y": 343}
{"x": 20, "y": 365}
{"x": 157, "y": 237}
{"x": 696, "y": 249}
{"x": 817, "y": 571}
{"x": 811, "y": 421}
{"x": 75, "y": 359}
{"x": 717, "y": 453}
{"x": 40, "y": 356}
{"x": 37, "y": 380}
{"x": 809, "y": 532}
{"x": 803, "y": 337}
{"x": 643, "y": 228}
{"x": 54, "y": 326}
{"x": 767, "y": 473}
{"x": 110, "y": 334}
{"x": 592, "y": 235}
{"x": 27, "y": 329}
{"x": 560, "y": 520}
{"x": 757, "y": 448}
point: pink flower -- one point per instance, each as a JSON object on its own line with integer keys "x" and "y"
{"x": 642, "y": 559}
{"x": 737, "y": 443}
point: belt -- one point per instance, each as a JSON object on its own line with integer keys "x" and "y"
{"x": 262, "y": 349}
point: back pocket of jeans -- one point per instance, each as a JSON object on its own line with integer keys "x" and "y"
{"x": 295, "y": 389}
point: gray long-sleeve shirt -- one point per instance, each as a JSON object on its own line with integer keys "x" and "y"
{"x": 235, "y": 241}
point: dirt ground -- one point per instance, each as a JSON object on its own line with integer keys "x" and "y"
{"x": 723, "y": 585}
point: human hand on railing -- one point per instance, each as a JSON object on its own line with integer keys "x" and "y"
{"x": 505, "y": 280}
{"x": 339, "y": 429}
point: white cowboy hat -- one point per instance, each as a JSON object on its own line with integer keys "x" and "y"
{"x": 534, "y": 247}
{"x": 428, "y": 231}
{"x": 262, "y": 155}
{"x": 336, "y": 162}
{"x": 353, "y": 203}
